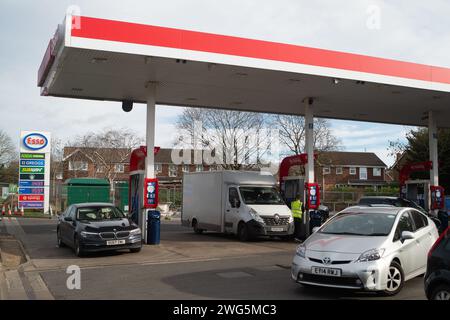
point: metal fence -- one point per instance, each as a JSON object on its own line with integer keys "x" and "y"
{"x": 62, "y": 195}
{"x": 171, "y": 197}
{"x": 338, "y": 200}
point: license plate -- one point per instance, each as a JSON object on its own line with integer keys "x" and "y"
{"x": 327, "y": 271}
{"x": 114, "y": 242}
{"x": 276, "y": 229}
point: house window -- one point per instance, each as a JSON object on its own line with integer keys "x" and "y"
{"x": 326, "y": 170}
{"x": 353, "y": 171}
{"x": 158, "y": 167}
{"x": 100, "y": 169}
{"x": 173, "y": 170}
{"x": 199, "y": 168}
{"x": 78, "y": 166}
{"x": 185, "y": 168}
{"x": 338, "y": 170}
{"x": 362, "y": 173}
{"x": 119, "y": 168}
{"x": 377, "y": 172}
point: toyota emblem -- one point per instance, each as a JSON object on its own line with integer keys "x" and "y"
{"x": 326, "y": 260}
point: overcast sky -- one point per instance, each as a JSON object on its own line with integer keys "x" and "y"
{"x": 413, "y": 30}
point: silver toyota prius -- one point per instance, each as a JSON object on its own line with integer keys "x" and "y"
{"x": 366, "y": 248}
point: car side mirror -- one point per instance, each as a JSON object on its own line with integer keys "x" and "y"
{"x": 407, "y": 235}
{"x": 67, "y": 219}
{"x": 315, "y": 229}
{"x": 236, "y": 203}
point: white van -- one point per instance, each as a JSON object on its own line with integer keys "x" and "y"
{"x": 244, "y": 203}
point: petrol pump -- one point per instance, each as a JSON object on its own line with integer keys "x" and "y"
{"x": 143, "y": 192}
{"x": 290, "y": 186}
{"x": 422, "y": 192}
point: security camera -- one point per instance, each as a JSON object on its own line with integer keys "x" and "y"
{"x": 127, "y": 105}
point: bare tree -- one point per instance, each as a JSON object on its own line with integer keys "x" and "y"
{"x": 8, "y": 151}
{"x": 234, "y": 137}
{"x": 107, "y": 150}
{"x": 292, "y": 133}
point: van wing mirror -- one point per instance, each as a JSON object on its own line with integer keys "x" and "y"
{"x": 236, "y": 203}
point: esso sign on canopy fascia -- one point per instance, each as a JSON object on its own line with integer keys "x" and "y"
{"x": 35, "y": 141}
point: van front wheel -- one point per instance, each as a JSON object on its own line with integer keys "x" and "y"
{"x": 197, "y": 230}
{"x": 243, "y": 234}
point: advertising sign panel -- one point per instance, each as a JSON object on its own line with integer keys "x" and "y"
{"x": 34, "y": 170}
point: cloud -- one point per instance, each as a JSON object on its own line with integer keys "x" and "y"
{"x": 409, "y": 30}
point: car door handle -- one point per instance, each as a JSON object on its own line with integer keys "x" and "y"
{"x": 228, "y": 210}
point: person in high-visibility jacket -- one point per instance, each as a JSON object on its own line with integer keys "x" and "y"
{"x": 297, "y": 212}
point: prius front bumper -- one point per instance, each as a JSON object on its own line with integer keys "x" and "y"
{"x": 370, "y": 275}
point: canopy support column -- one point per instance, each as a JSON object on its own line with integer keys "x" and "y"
{"x": 309, "y": 150}
{"x": 433, "y": 141}
{"x": 433, "y": 146}
{"x": 309, "y": 139}
{"x": 150, "y": 143}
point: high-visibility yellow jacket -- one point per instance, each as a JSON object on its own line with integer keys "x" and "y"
{"x": 296, "y": 208}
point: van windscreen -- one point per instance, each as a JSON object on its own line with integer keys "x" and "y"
{"x": 260, "y": 195}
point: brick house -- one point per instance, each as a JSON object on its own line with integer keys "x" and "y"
{"x": 85, "y": 162}
{"x": 350, "y": 169}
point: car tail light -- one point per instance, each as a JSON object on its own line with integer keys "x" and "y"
{"x": 442, "y": 236}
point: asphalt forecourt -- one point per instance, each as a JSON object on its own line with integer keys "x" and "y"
{"x": 186, "y": 266}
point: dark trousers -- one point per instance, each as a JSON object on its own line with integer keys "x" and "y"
{"x": 298, "y": 228}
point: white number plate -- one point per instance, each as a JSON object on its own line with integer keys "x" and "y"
{"x": 276, "y": 229}
{"x": 327, "y": 271}
{"x": 114, "y": 242}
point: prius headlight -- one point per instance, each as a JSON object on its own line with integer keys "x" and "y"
{"x": 301, "y": 251}
{"x": 256, "y": 216}
{"x": 371, "y": 255}
{"x": 135, "y": 232}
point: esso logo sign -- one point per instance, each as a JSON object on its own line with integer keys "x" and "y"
{"x": 35, "y": 141}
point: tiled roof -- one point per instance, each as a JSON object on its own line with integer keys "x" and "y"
{"x": 341, "y": 158}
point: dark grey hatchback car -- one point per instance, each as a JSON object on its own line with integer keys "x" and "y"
{"x": 95, "y": 227}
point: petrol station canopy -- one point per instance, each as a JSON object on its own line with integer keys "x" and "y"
{"x": 91, "y": 58}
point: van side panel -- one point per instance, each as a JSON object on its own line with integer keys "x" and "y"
{"x": 202, "y": 200}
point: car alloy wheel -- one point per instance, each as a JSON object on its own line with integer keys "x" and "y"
{"x": 394, "y": 279}
{"x": 442, "y": 293}
{"x": 78, "y": 251}
{"x": 58, "y": 236}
